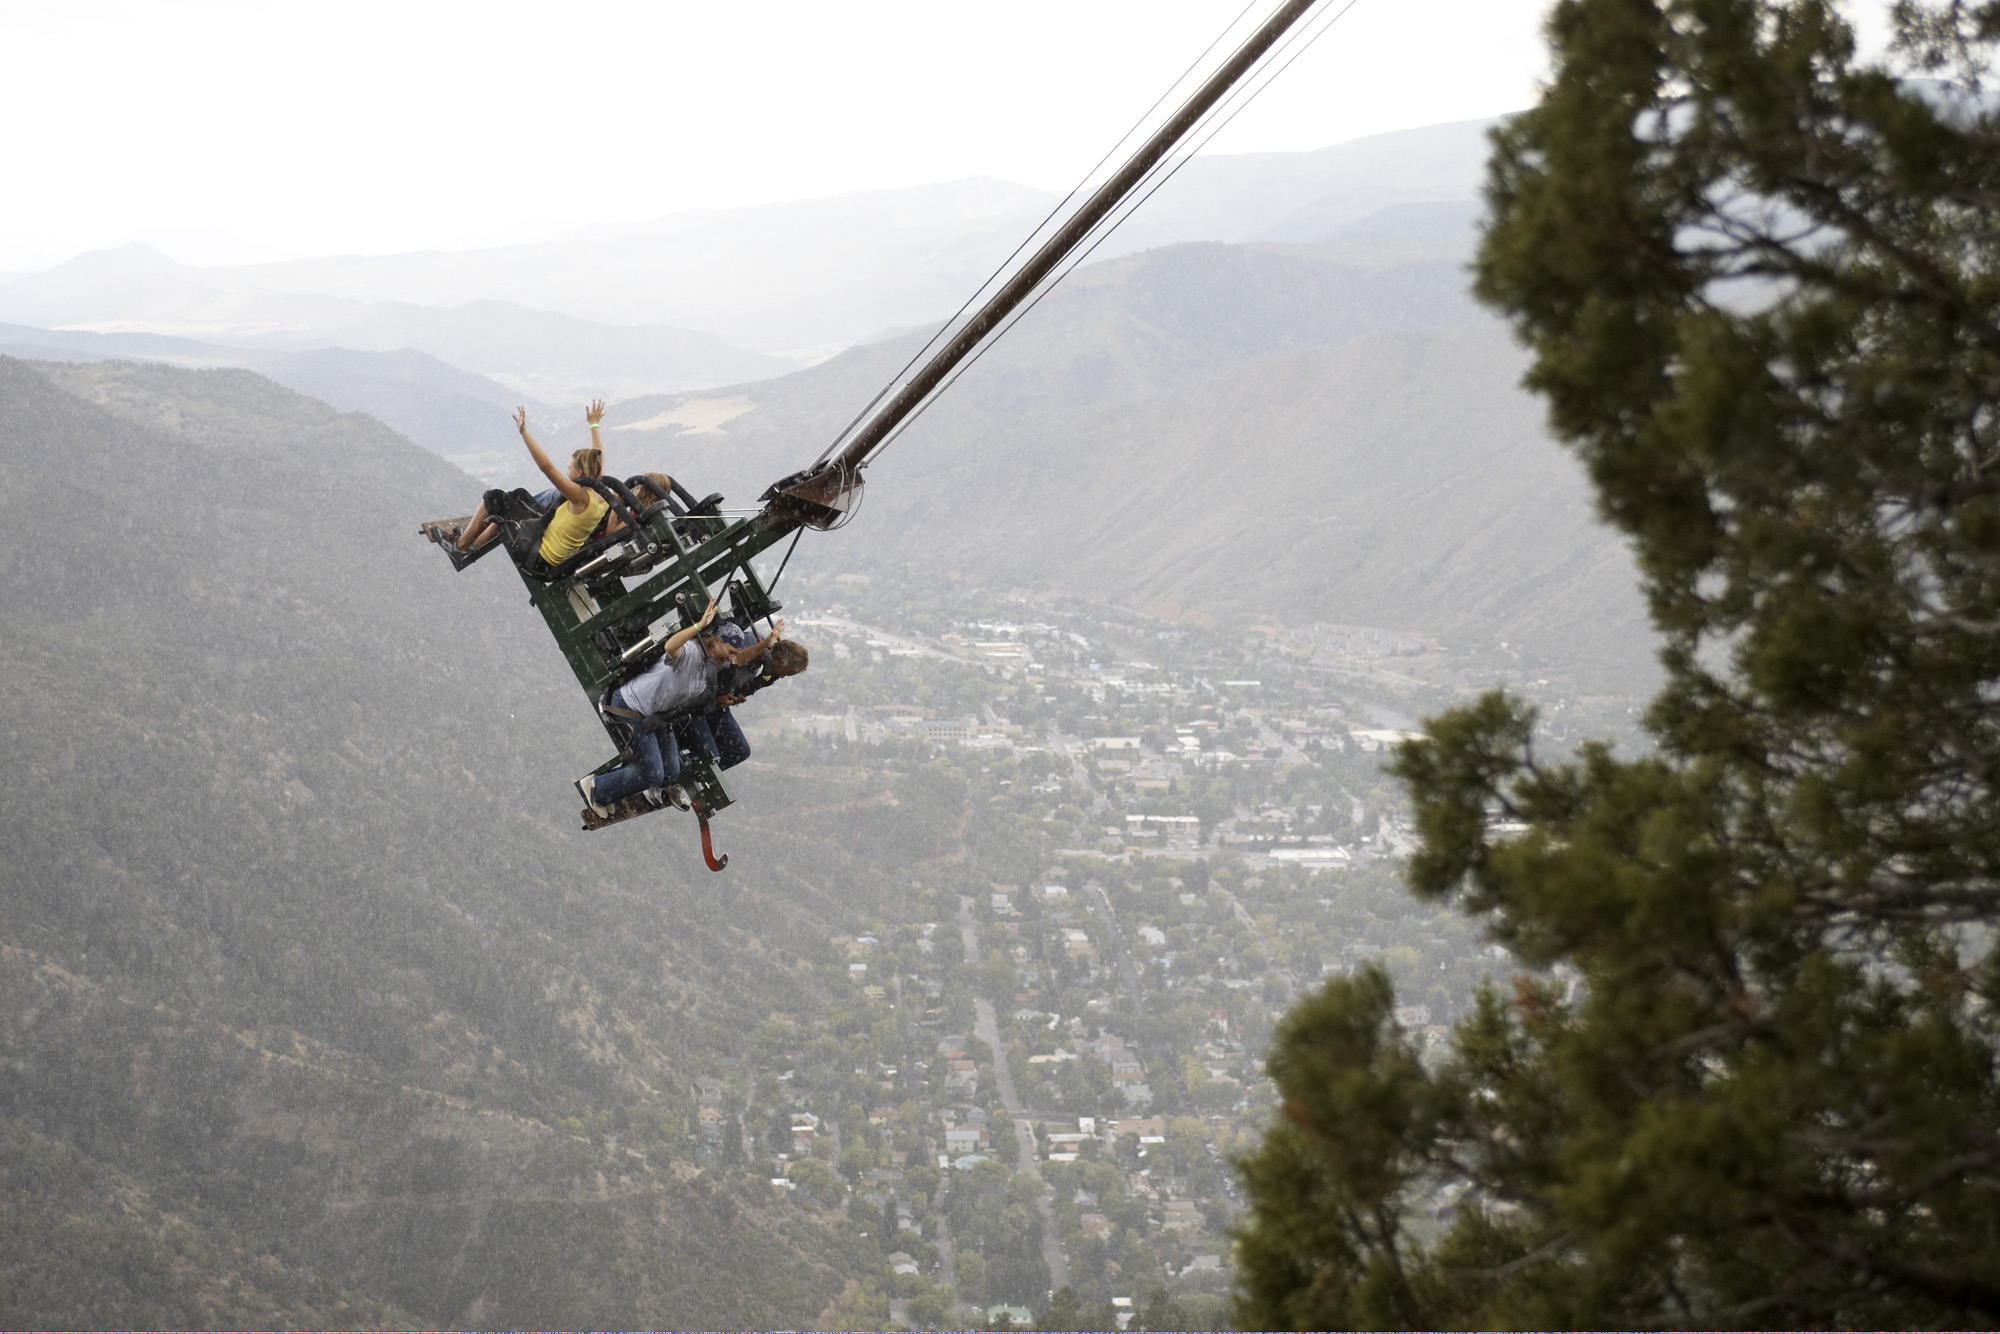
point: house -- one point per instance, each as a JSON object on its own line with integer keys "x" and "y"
{"x": 1182, "y": 1216}
{"x": 1095, "y": 1225}
{"x": 1153, "y": 936}
{"x": 966, "y": 1139}
{"x": 1019, "y": 1317}
{"x": 902, "y": 1262}
{"x": 708, "y": 1092}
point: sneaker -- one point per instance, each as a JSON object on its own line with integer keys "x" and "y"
{"x": 586, "y": 787}
{"x": 676, "y": 797}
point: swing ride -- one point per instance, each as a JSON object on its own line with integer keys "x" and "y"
{"x": 613, "y": 605}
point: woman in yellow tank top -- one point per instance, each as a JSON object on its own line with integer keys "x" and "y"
{"x": 577, "y": 508}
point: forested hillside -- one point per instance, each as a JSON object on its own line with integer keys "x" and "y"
{"x": 317, "y": 1007}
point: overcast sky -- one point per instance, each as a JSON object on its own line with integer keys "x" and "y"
{"x": 371, "y": 126}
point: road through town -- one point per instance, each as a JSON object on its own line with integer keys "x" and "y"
{"x": 988, "y": 1032}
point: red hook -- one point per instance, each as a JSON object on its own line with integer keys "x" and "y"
{"x": 715, "y": 863}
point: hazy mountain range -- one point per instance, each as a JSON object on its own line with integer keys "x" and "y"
{"x": 679, "y": 302}
{"x": 536, "y": 352}
{"x": 803, "y": 275}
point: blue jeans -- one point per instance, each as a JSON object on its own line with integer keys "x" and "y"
{"x": 717, "y": 735}
{"x": 656, "y": 760}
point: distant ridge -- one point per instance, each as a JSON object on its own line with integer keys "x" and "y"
{"x": 466, "y": 418}
{"x": 800, "y": 279}
{"x": 135, "y": 289}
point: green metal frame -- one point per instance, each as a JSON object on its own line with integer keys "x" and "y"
{"x": 714, "y": 554}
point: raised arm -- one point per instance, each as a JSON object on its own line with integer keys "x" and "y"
{"x": 571, "y": 491}
{"x": 680, "y": 638}
{"x": 749, "y": 653}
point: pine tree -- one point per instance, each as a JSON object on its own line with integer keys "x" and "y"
{"x": 1758, "y": 280}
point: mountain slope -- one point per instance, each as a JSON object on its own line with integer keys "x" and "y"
{"x": 1245, "y": 431}
{"x": 300, "y": 946}
{"x": 466, "y": 418}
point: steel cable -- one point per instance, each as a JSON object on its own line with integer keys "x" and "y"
{"x": 1262, "y": 77}
{"x": 1039, "y": 229}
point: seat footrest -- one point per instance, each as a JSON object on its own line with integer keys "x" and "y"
{"x": 631, "y": 808}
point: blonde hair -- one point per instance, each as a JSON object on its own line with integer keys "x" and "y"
{"x": 658, "y": 484}
{"x": 589, "y": 461}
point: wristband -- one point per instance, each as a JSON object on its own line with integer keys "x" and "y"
{"x": 593, "y": 426}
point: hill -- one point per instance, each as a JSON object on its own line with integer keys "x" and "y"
{"x": 466, "y": 418}
{"x": 537, "y": 352}
{"x": 318, "y": 1010}
{"x": 1328, "y": 432}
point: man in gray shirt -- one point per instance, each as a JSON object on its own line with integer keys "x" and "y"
{"x": 682, "y": 677}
